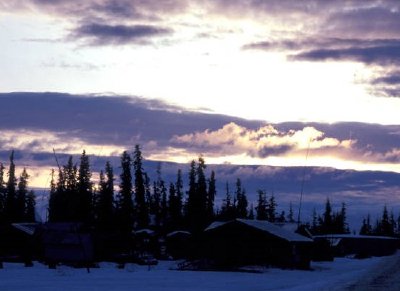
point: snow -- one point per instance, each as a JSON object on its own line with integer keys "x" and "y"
{"x": 267, "y": 227}
{"x": 337, "y": 275}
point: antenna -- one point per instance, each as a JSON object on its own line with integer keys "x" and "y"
{"x": 58, "y": 165}
{"x": 302, "y": 183}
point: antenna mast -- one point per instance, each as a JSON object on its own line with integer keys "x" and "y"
{"x": 302, "y": 183}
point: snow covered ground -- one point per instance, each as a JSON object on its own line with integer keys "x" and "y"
{"x": 337, "y": 275}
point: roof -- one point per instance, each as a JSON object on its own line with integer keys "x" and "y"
{"x": 144, "y": 231}
{"x": 28, "y": 228}
{"x": 178, "y": 232}
{"x": 264, "y": 226}
{"x": 353, "y": 236}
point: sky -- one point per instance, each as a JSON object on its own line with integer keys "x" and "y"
{"x": 279, "y": 83}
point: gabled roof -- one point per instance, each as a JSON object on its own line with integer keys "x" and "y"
{"x": 28, "y": 228}
{"x": 266, "y": 227}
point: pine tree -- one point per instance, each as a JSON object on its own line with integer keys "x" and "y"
{"x": 84, "y": 206}
{"x": 228, "y": 210}
{"x": 11, "y": 199}
{"x": 54, "y": 205}
{"x": 30, "y": 203}
{"x": 179, "y": 198}
{"x": 68, "y": 193}
{"x": 290, "y": 216}
{"x": 271, "y": 209}
{"x": 2, "y": 193}
{"x": 173, "y": 210}
{"x": 142, "y": 214}
{"x": 241, "y": 198}
{"x": 385, "y": 227}
{"x": 21, "y": 196}
{"x": 251, "y": 212}
{"x": 366, "y": 228}
{"x": 212, "y": 191}
{"x": 326, "y": 226}
{"x": 164, "y": 205}
{"x": 125, "y": 203}
{"x": 261, "y": 208}
{"x": 105, "y": 200}
{"x": 155, "y": 205}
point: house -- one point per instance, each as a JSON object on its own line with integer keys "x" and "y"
{"x": 65, "y": 243}
{"x": 359, "y": 245}
{"x": 244, "y": 242}
{"x": 178, "y": 243}
{"x": 17, "y": 242}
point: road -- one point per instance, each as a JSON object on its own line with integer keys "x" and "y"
{"x": 384, "y": 276}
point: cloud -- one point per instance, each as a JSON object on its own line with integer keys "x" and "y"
{"x": 35, "y": 123}
{"x": 380, "y": 54}
{"x": 104, "y": 119}
{"x": 385, "y": 83}
{"x": 263, "y": 142}
{"x": 104, "y": 34}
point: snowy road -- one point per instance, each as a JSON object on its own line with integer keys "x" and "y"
{"x": 342, "y": 274}
{"x": 383, "y": 276}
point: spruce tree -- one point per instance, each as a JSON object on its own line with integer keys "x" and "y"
{"x": 125, "y": 203}
{"x": 179, "y": 197}
{"x": 164, "y": 205}
{"x": 271, "y": 209}
{"x": 212, "y": 192}
{"x": 241, "y": 206}
{"x": 2, "y": 193}
{"x": 173, "y": 210}
{"x": 21, "y": 196}
{"x": 251, "y": 212}
{"x": 142, "y": 214}
{"x": 11, "y": 199}
{"x": 326, "y": 227}
{"x": 261, "y": 208}
{"x": 30, "y": 203}
{"x": 228, "y": 210}
{"x": 53, "y": 210}
{"x": 105, "y": 201}
{"x": 85, "y": 190}
{"x": 290, "y": 216}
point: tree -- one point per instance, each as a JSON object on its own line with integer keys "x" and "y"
{"x": 290, "y": 216}
{"x": 326, "y": 226}
{"x": 10, "y": 205}
{"x": 142, "y": 213}
{"x": 3, "y": 193}
{"x": 84, "y": 206}
{"x": 30, "y": 204}
{"x": 105, "y": 200}
{"x": 212, "y": 192}
{"x": 271, "y": 209}
{"x": 228, "y": 210}
{"x": 261, "y": 208}
{"x": 21, "y": 196}
{"x": 173, "y": 208}
{"x": 366, "y": 228}
{"x": 241, "y": 207}
{"x": 125, "y": 203}
{"x": 179, "y": 198}
{"x": 251, "y": 212}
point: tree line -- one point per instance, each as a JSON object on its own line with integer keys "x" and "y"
{"x": 137, "y": 202}
{"x": 17, "y": 203}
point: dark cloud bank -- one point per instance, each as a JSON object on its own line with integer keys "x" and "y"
{"x": 124, "y": 121}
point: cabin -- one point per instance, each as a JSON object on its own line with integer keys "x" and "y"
{"x": 17, "y": 243}
{"x": 359, "y": 245}
{"x": 254, "y": 242}
{"x": 178, "y": 244}
{"x": 65, "y": 243}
